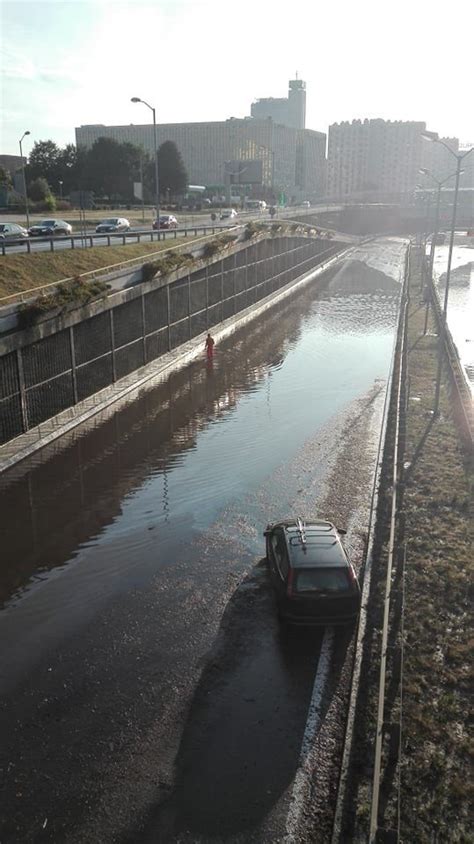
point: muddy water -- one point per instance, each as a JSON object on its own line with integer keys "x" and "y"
{"x": 123, "y": 544}
{"x": 460, "y": 299}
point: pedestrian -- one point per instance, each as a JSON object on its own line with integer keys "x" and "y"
{"x": 210, "y": 346}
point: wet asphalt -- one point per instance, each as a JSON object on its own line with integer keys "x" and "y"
{"x": 147, "y": 690}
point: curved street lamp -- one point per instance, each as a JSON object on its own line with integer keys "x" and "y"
{"x": 157, "y": 184}
{"x": 25, "y": 194}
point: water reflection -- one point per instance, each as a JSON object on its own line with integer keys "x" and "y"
{"x": 160, "y": 468}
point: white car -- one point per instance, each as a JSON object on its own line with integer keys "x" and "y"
{"x": 113, "y": 224}
{"x": 12, "y": 232}
{"x": 306, "y": 204}
{"x": 228, "y": 213}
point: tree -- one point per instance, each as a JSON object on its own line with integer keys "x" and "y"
{"x": 39, "y": 190}
{"x": 109, "y": 168}
{"x": 5, "y": 179}
{"x": 172, "y": 172}
{"x": 44, "y": 162}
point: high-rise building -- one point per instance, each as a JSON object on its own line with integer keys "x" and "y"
{"x": 290, "y": 110}
{"x": 293, "y": 160}
{"x": 375, "y": 157}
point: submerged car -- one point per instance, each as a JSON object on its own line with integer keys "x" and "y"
{"x": 166, "y": 221}
{"x": 311, "y": 574}
{"x": 48, "y": 228}
{"x": 12, "y": 233}
{"x": 113, "y": 224}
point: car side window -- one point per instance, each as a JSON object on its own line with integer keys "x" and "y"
{"x": 280, "y": 553}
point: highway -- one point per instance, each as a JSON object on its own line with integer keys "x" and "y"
{"x": 143, "y": 233}
{"x": 148, "y": 691}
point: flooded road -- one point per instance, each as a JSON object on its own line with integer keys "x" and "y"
{"x": 147, "y": 691}
{"x": 460, "y": 299}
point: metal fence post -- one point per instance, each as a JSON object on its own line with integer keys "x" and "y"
{"x": 169, "y": 315}
{"x": 21, "y": 382}
{"x": 73, "y": 363}
{"x": 112, "y": 344}
{"x": 143, "y": 326}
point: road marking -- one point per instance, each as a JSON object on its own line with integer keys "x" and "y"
{"x": 313, "y": 723}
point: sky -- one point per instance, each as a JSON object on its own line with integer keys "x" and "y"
{"x": 65, "y": 63}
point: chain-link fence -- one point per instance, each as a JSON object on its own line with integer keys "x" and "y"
{"x": 40, "y": 380}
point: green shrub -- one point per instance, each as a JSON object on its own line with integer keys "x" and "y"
{"x": 211, "y": 249}
{"x": 77, "y": 292}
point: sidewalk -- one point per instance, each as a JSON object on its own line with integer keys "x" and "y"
{"x": 427, "y": 793}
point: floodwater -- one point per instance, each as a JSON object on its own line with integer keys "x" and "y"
{"x": 460, "y": 299}
{"x": 124, "y": 543}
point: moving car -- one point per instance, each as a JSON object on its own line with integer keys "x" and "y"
{"x": 228, "y": 213}
{"x": 48, "y": 228}
{"x": 113, "y": 224}
{"x": 167, "y": 221}
{"x": 313, "y": 579}
{"x": 12, "y": 233}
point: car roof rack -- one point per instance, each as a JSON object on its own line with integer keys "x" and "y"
{"x": 300, "y": 526}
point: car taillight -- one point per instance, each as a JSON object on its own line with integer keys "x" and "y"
{"x": 289, "y": 585}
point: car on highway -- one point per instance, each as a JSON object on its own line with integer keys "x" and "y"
{"x": 166, "y": 221}
{"x": 113, "y": 224}
{"x": 12, "y": 233}
{"x": 50, "y": 228}
{"x": 228, "y": 214}
{"x": 312, "y": 577}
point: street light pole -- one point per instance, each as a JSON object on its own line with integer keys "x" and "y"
{"x": 60, "y": 189}
{"x": 25, "y": 193}
{"x": 432, "y": 136}
{"x": 157, "y": 184}
{"x": 440, "y": 184}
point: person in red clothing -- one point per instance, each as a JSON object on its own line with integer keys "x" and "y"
{"x": 210, "y": 346}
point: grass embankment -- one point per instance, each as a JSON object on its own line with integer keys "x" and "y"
{"x": 434, "y": 525}
{"x": 21, "y": 272}
{"x": 436, "y": 784}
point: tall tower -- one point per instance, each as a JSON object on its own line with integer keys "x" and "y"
{"x": 297, "y": 103}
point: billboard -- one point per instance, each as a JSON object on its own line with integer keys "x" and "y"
{"x": 248, "y": 172}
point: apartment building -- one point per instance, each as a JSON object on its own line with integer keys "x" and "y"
{"x": 374, "y": 157}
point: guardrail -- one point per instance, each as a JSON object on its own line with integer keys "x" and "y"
{"x": 124, "y": 237}
{"x": 21, "y": 295}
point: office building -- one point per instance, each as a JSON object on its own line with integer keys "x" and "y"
{"x": 293, "y": 160}
{"x": 290, "y": 110}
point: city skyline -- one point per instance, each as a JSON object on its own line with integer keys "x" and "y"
{"x": 66, "y": 63}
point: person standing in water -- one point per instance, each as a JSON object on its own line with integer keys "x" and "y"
{"x": 210, "y": 346}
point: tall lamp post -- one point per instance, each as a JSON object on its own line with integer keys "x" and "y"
{"x": 433, "y": 136}
{"x": 440, "y": 184}
{"x": 25, "y": 193}
{"x": 157, "y": 184}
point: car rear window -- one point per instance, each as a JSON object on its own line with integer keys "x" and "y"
{"x": 322, "y": 580}
{"x": 317, "y": 551}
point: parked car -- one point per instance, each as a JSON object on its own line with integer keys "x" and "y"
{"x": 313, "y": 579}
{"x": 12, "y": 233}
{"x": 166, "y": 221}
{"x": 306, "y": 204}
{"x": 48, "y": 228}
{"x": 228, "y": 213}
{"x": 113, "y": 224}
